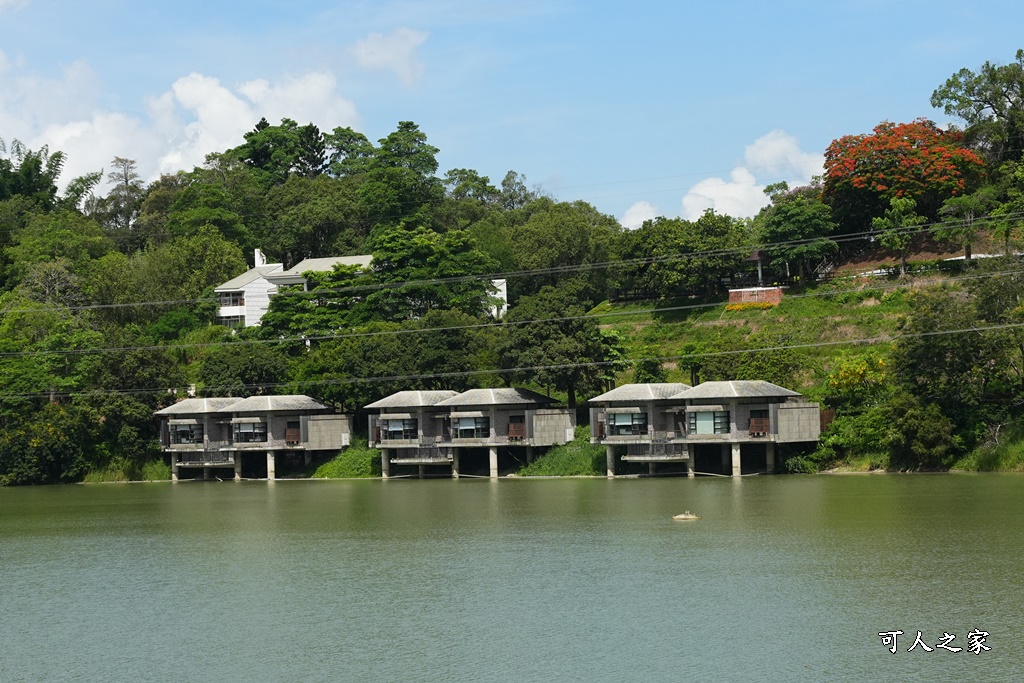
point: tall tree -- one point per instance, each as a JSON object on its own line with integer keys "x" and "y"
{"x": 991, "y": 101}
{"x": 121, "y": 206}
{"x": 917, "y": 160}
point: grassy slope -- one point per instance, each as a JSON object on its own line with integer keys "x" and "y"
{"x": 579, "y": 458}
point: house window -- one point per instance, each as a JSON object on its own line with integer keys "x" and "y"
{"x": 400, "y": 429}
{"x": 759, "y": 422}
{"x": 231, "y": 298}
{"x": 251, "y": 432}
{"x": 627, "y": 424}
{"x": 709, "y": 422}
{"x": 186, "y": 434}
{"x": 232, "y": 321}
{"x": 474, "y": 427}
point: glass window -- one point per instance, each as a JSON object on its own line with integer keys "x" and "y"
{"x": 231, "y": 298}
{"x": 708, "y": 422}
{"x": 186, "y": 434}
{"x": 627, "y": 424}
{"x": 474, "y": 427}
{"x": 400, "y": 429}
{"x": 251, "y": 432}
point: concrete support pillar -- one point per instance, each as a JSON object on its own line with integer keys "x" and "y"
{"x": 610, "y": 458}
{"x": 735, "y": 460}
{"x": 206, "y": 474}
{"x": 455, "y": 463}
{"x": 529, "y": 454}
{"x": 385, "y": 463}
{"x": 493, "y": 461}
{"x": 769, "y": 458}
{"x": 174, "y": 467}
{"x": 422, "y": 471}
{"x": 271, "y": 465}
{"x": 307, "y": 458}
{"x": 651, "y": 469}
{"x": 689, "y": 461}
{"x": 238, "y": 467}
{"x": 726, "y": 458}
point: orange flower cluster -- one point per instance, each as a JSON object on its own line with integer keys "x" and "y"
{"x": 900, "y": 159}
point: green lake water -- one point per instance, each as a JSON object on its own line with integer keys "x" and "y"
{"x": 784, "y": 578}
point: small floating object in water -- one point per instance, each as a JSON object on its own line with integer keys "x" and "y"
{"x": 685, "y": 516}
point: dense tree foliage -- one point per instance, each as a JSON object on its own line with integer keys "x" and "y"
{"x": 107, "y": 309}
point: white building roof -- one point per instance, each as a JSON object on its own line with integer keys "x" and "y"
{"x": 248, "y": 276}
{"x": 293, "y": 276}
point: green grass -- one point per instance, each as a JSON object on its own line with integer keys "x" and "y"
{"x": 1005, "y": 456}
{"x": 575, "y": 459}
{"x": 355, "y": 462}
{"x": 120, "y": 470}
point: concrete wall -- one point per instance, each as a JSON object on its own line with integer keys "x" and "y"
{"x": 328, "y": 432}
{"x": 551, "y": 426}
{"x": 257, "y": 300}
{"x": 798, "y": 422}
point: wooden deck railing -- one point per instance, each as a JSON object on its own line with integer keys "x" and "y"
{"x": 759, "y": 426}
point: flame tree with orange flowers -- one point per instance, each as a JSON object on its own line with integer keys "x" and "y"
{"x": 917, "y": 160}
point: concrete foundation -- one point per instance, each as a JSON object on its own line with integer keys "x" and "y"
{"x": 455, "y": 463}
{"x": 529, "y": 454}
{"x": 735, "y": 460}
{"x": 271, "y": 465}
{"x": 610, "y": 459}
{"x": 769, "y": 458}
{"x": 174, "y": 467}
{"x": 421, "y": 471}
{"x": 385, "y": 463}
{"x": 726, "y": 458}
{"x": 652, "y": 469}
{"x": 492, "y": 457}
{"x": 689, "y": 462}
{"x": 238, "y": 467}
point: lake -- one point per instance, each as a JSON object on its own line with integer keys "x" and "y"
{"x": 785, "y": 578}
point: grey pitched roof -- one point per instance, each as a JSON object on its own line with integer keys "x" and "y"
{"x": 198, "y": 406}
{"x": 735, "y": 389}
{"x": 642, "y": 392}
{"x": 248, "y": 276}
{"x": 322, "y": 265}
{"x": 413, "y": 399}
{"x": 265, "y": 404}
{"x": 491, "y": 397}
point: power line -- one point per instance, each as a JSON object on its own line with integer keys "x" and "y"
{"x": 534, "y": 368}
{"x": 453, "y": 328}
{"x": 554, "y": 270}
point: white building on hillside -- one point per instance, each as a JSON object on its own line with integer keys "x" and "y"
{"x": 244, "y": 299}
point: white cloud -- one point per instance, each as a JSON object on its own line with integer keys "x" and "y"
{"x": 637, "y": 214}
{"x": 738, "y": 196}
{"x": 395, "y": 52}
{"x": 772, "y": 157}
{"x": 195, "y": 116}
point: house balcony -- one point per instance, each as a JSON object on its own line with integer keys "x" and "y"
{"x": 231, "y": 311}
{"x": 204, "y": 459}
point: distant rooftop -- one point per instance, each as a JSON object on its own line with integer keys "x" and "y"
{"x": 653, "y": 391}
{"x": 293, "y": 276}
{"x": 198, "y": 406}
{"x": 735, "y": 389}
{"x": 413, "y": 399}
{"x": 261, "y": 404}
{"x": 490, "y": 397}
{"x": 248, "y": 276}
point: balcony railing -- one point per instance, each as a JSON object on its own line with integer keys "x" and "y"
{"x": 759, "y": 426}
{"x": 293, "y": 436}
{"x": 516, "y": 431}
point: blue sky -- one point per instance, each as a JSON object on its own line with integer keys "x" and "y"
{"x": 641, "y": 108}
